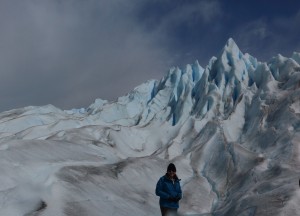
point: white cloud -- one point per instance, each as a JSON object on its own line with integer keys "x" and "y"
{"x": 209, "y": 10}
{"x": 266, "y": 38}
{"x": 52, "y": 51}
{"x": 201, "y": 11}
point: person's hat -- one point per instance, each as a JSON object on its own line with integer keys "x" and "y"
{"x": 171, "y": 167}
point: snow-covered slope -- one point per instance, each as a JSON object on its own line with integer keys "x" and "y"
{"x": 231, "y": 128}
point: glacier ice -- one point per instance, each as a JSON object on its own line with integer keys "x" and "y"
{"x": 231, "y": 128}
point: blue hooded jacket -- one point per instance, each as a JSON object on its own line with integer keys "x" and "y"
{"x": 169, "y": 192}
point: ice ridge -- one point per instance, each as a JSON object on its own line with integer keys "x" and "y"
{"x": 194, "y": 90}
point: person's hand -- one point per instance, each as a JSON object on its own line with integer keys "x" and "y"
{"x": 174, "y": 199}
{"x": 178, "y": 198}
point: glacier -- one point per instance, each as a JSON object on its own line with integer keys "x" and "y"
{"x": 231, "y": 128}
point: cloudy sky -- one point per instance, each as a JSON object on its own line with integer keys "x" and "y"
{"x": 70, "y": 52}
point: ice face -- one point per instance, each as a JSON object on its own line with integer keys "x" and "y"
{"x": 231, "y": 129}
{"x": 296, "y": 57}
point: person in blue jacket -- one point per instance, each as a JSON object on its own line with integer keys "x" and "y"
{"x": 169, "y": 190}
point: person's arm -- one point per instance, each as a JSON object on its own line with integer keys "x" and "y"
{"x": 159, "y": 190}
{"x": 179, "y": 195}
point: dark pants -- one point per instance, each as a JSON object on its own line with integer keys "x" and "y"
{"x": 168, "y": 211}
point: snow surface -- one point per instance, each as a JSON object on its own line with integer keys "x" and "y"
{"x": 231, "y": 128}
